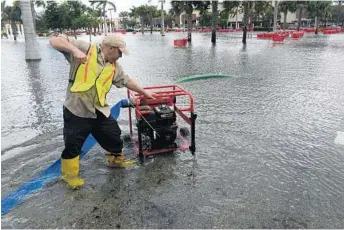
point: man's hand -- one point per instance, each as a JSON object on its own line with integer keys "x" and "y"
{"x": 79, "y": 55}
{"x": 132, "y": 85}
{"x": 61, "y": 43}
{"x": 150, "y": 95}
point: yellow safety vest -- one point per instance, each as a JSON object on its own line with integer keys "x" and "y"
{"x": 86, "y": 76}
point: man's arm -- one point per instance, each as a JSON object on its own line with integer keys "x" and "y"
{"x": 134, "y": 86}
{"x": 123, "y": 80}
{"x": 62, "y": 44}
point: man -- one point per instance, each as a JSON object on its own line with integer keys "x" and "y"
{"x": 93, "y": 69}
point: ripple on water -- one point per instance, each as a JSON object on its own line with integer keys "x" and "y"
{"x": 266, "y": 155}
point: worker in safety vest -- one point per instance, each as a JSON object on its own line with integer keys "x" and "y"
{"x": 93, "y": 70}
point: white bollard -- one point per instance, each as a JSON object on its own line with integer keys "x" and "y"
{"x": 339, "y": 138}
{"x": 11, "y": 32}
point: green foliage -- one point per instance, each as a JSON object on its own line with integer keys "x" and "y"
{"x": 319, "y": 9}
{"x": 124, "y": 18}
{"x": 52, "y": 16}
{"x": 223, "y": 18}
{"x": 11, "y": 13}
{"x": 70, "y": 15}
{"x": 205, "y": 19}
{"x": 41, "y": 23}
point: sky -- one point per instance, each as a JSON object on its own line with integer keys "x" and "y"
{"x": 125, "y": 5}
{"x": 121, "y": 5}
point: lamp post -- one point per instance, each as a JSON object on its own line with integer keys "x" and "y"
{"x": 275, "y": 15}
{"x": 236, "y": 18}
{"x": 111, "y": 25}
{"x": 162, "y": 18}
{"x": 150, "y": 16}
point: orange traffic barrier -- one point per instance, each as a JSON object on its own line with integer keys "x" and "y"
{"x": 180, "y": 42}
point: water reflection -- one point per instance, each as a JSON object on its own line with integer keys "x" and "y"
{"x": 265, "y": 156}
{"x": 43, "y": 107}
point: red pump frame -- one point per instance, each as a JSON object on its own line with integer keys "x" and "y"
{"x": 165, "y": 94}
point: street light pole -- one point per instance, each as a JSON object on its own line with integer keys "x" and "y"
{"x": 111, "y": 25}
{"x": 275, "y": 16}
{"x": 150, "y": 16}
{"x": 236, "y": 18}
{"x": 162, "y": 18}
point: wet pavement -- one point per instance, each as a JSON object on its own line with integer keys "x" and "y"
{"x": 266, "y": 154}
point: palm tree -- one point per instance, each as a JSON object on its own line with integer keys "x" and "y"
{"x": 285, "y": 7}
{"x": 162, "y": 18}
{"x": 4, "y": 16}
{"x": 134, "y": 14}
{"x": 300, "y": 5}
{"x": 215, "y": 17}
{"x": 231, "y": 8}
{"x": 338, "y": 13}
{"x": 316, "y": 9}
{"x": 38, "y": 3}
{"x": 142, "y": 12}
{"x": 153, "y": 11}
{"x": 179, "y": 7}
{"x": 203, "y": 8}
{"x": 31, "y": 45}
{"x": 101, "y": 4}
{"x": 12, "y": 14}
{"x": 124, "y": 18}
{"x": 94, "y": 20}
{"x": 275, "y": 15}
{"x": 75, "y": 11}
{"x": 327, "y": 14}
{"x": 247, "y": 5}
{"x": 236, "y": 6}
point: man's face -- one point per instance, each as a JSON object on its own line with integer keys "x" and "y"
{"x": 112, "y": 54}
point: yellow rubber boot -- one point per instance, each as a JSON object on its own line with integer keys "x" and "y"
{"x": 119, "y": 161}
{"x": 70, "y": 172}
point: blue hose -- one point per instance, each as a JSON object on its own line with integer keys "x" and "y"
{"x": 52, "y": 172}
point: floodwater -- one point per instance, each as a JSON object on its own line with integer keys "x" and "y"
{"x": 266, "y": 153}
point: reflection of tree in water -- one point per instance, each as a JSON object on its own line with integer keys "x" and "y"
{"x": 43, "y": 117}
{"x": 243, "y": 57}
{"x": 212, "y": 57}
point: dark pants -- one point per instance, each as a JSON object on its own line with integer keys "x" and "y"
{"x": 76, "y": 129}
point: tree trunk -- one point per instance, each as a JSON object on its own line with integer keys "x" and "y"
{"x": 285, "y": 20}
{"x": 275, "y": 16}
{"x": 316, "y": 25}
{"x": 299, "y": 19}
{"x": 189, "y": 27}
{"x": 236, "y": 18}
{"x": 142, "y": 29}
{"x": 104, "y": 16}
{"x": 75, "y": 34}
{"x": 33, "y": 14}
{"x": 246, "y": 12}
{"x": 14, "y": 30}
{"x": 31, "y": 44}
{"x": 213, "y": 33}
{"x": 162, "y": 19}
{"x": 151, "y": 23}
{"x": 338, "y": 12}
{"x": 244, "y": 35}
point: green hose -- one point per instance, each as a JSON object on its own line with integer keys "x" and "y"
{"x": 203, "y": 76}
